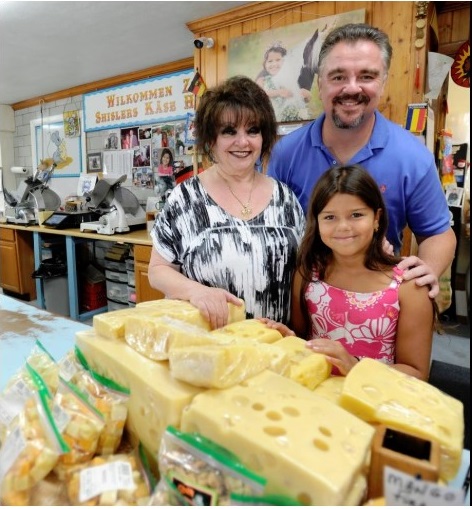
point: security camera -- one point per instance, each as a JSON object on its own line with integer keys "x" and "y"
{"x": 204, "y": 42}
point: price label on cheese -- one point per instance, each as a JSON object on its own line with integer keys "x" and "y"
{"x": 403, "y": 489}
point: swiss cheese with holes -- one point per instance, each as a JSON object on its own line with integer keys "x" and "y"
{"x": 305, "y": 446}
{"x": 381, "y": 394}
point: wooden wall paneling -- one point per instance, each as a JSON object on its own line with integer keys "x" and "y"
{"x": 454, "y": 29}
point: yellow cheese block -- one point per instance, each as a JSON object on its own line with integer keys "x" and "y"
{"x": 153, "y": 336}
{"x": 112, "y": 324}
{"x": 305, "y": 446}
{"x": 308, "y": 368}
{"x": 250, "y": 329}
{"x": 183, "y": 310}
{"x": 381, "y": 394}
{"x": 331, "y": 389}
{"x": 218, "y": 366}
{"x": 156, "y": 398}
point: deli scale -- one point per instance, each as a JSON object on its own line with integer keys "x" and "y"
{"x": 118, "y": 207}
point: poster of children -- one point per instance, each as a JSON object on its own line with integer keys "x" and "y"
{"x": 287, "y": 66}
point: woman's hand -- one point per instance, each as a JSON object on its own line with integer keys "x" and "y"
{"x": 213, "y": 304}
{"x": 283, "y": 329}
{"x": 334, "y": 352}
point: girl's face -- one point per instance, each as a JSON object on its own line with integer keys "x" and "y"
{"x": 274, "y": 62}
{"x": 347, "y": 225}
{"x": 165, "y": 160}
{"x": 237, "y": 148}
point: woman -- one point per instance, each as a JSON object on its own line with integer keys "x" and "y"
{"x": 231, "y": 232}
{"x": 349, "y": 297}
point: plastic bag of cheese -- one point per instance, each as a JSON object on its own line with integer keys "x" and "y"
{"x": 196, "y": 471}
{"x": 32, "y": 447}
{"x": 117, "y": 479}
{"x": 80, "y": 424}
{"x": 20, "y": 386}
{"x": 110, "y": 399}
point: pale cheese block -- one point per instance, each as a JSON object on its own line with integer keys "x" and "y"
{"x": 250, "y": 329}
{"x": 218, "y": 366}
{"x": 304, "y": 445}
{"x": 156, "y": 398}
{"x": 153, "y": 336}
{"x": 306, "y": 367}
{"x": 381, "y": 394}
{"x": 183, "y": 310}
{"x": 112, "y": 324}
{"x": 331, "y": 389}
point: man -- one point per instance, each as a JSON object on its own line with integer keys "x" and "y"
{"x": 353, "y": 67}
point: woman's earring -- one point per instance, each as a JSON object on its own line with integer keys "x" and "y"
{"x": 376, "y": 228}
{"x": 258, "y": 164}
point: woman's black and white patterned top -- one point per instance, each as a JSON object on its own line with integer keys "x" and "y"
{"x": 253, "y": 259}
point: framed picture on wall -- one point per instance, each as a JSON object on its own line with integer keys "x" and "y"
{"x": 49, "y": 145}
{"x": 94, "y": 162}
{"x": 284, "y": 62}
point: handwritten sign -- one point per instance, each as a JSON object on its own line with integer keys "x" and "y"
{"x": 403, "y": 489}
{"x": 154, "y": 100}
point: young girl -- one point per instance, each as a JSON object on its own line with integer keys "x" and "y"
{"x": 286, "y": 101}
{"x": 165, "y": 170}
{"x": 348, "y": 297}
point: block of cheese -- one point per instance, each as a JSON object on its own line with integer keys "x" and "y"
{"x": 304, "y": 445}
{"x": 183, "y": 310}
{"x": 381, "y": 394}
{"x": 331, "y": 389}
{"x": 218, "y": 366}
{"x": 153, "y": 336}
{"x": 112, "y": 324}
{"x": 306, "y": 367}
{"x": 156, "y": 398}
{"x": 250, "y": 329}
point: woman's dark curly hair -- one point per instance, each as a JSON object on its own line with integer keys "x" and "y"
{"x": 243, "y": 102}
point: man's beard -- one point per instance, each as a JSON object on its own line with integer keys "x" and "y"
{"x": 359, "y": 98}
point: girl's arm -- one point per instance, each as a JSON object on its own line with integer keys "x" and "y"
{"x": 414, "y": 331}
{"x": 297, "y": 320}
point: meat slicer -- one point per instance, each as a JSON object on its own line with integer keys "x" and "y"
{"x": 31, "y": 197}
{"x": 117, "y": 206}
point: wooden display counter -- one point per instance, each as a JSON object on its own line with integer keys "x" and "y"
{"x": 11, "y": 252}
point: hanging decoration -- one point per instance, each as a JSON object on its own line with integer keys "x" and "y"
{"x": 460, "y": 69}
{"x": 71, "y": 121}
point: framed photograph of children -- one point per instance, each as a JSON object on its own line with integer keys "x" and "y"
{"x": 284, "y": 62}
{"x": 94, "y": 162}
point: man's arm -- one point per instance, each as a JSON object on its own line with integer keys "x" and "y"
{"x": 435, "y": 254}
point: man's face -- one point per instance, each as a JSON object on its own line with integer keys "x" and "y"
{"x": 351, "y": 82}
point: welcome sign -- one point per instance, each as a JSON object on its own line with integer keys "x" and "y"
{"x": 154, "y": 100}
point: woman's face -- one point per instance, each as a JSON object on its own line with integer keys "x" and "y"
{"x": 165, "y": 159}
{"x": 237, "y": 148}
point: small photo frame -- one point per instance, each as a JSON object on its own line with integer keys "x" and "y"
{"x": 454, "y": 196}
{"x": 113, "y": 141}
{"x": 94, "y": 162}
{"x": 144, "y": 133}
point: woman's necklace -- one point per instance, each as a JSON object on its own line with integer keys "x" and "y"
{"x": 246, "y": 207}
